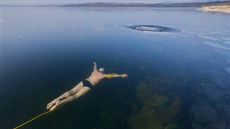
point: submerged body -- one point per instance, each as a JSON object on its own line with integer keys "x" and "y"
{"x": 83, "y": 87}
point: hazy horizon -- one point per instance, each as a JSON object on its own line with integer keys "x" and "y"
{"x": 88, "y": 1}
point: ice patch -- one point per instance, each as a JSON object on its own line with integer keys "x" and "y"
{"x": 226, "y": 38}
{"x": 209, "y": 38}
{"x": 218, "y": 45}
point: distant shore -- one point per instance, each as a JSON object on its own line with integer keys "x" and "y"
{"x": 120, "y": 4}
{"x": 217, "y": 8}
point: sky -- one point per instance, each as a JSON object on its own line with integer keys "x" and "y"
{"x": 84, "y": 1}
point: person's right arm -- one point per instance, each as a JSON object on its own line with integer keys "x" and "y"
{"x": 94, "y": 66}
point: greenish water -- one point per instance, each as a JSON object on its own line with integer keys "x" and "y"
{"x": 177, "y": 80}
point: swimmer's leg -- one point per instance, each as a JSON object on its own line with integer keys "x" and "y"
{"x": 65, "y": 95}
{"x": 81, "y": 92}
{"x": 59, "y": 103}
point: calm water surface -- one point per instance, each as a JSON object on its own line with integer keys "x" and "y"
{"x": 177, "y": 80}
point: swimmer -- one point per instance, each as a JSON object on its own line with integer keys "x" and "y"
{"x": 83, "y": 87}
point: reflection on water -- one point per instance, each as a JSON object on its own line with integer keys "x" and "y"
{"x": 176, "y": 80}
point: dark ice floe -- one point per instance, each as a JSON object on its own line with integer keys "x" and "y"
{"x": 151, "y": 28}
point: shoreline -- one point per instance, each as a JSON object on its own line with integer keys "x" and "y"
{"x": 216, "y": 8}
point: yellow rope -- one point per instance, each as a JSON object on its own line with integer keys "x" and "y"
{"x": 109, "y": 76}
{"x": 32, "y": 119}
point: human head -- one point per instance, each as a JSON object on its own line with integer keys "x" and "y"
{"x": 102, "y": 70}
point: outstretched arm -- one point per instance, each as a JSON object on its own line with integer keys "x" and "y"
{"x": 115, "y": 75}
{"x": 94, "y": 66}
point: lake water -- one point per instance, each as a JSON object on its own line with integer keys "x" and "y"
{"x": 177, "y": 80}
